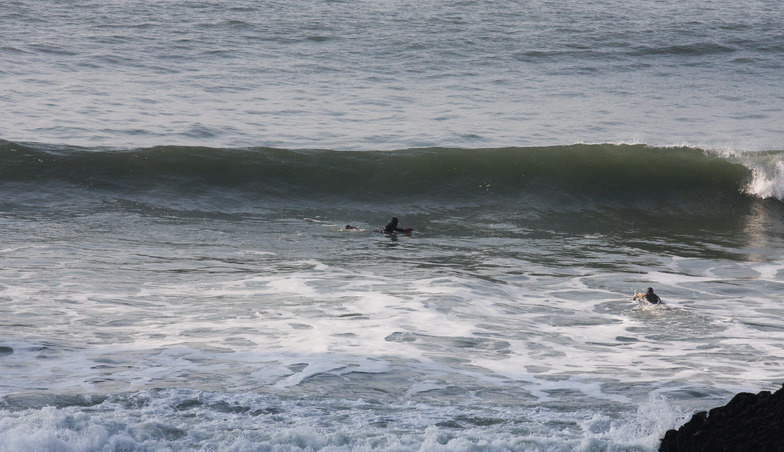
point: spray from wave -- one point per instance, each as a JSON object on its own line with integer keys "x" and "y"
{"x": 767, "y": 174}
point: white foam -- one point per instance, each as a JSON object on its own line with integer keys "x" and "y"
{"x": 640, "y": 430}
{"x": 197, "y": 420}
{"x": 767, "y": 171}
{"x": 533, "y": 335}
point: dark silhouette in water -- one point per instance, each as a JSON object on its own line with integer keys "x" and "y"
{"x": 652, "y": 297}
{"x": 391, "y": 228}
{"x": 648, "y": 296}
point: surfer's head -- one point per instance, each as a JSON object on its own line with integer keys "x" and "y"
{"x": 650, "y": 290}
{"x": 393, "y": 223}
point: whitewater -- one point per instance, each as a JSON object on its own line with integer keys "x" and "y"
{"x": 176, "y": 178}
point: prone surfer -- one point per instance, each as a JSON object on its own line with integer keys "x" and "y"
{"x": 391, "y": 228}
{"x": 648, "y": 296}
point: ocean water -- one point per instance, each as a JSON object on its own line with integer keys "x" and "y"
{"x": 176, "y": 178}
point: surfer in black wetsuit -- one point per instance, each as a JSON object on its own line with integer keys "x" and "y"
{"x": 391, "y": 228}
{"x": 652, "y": 297}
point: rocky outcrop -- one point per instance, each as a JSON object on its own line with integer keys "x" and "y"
{"x": 748, "y": 423}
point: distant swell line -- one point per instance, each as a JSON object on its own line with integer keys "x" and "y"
{"x": 695, "y": 49}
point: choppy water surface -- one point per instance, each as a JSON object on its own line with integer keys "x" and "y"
{"x": 176, "y": 177}
{"x": 392, "y": 75}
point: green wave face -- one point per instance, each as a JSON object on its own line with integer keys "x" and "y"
{"x": 660, "y": 196}
{"x": 557, "y": 176}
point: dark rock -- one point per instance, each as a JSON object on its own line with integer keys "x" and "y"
{"x": 748, "y": 423}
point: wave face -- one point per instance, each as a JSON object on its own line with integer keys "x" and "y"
{"x": 545, "y": 177}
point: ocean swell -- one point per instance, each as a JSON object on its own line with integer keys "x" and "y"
{"x": 567, "y": 174}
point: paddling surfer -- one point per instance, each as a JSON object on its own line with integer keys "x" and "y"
{"x": 648, "y": 296}
{"x": 391, "y": 228}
